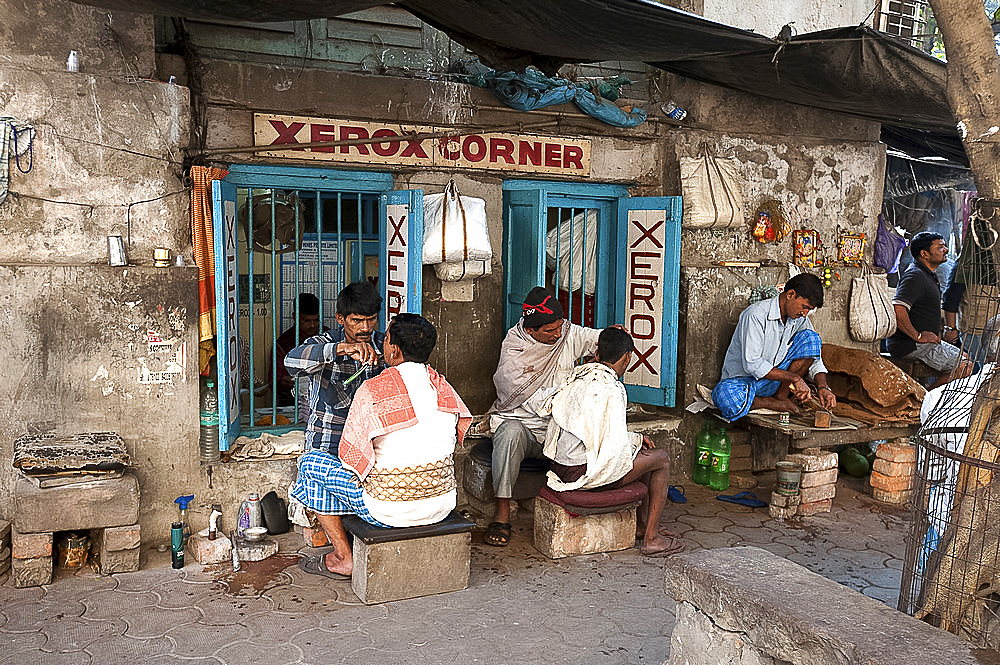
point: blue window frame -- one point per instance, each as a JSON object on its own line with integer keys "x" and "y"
{"x": 282, "y": 231}
{"x": 610, "y": 258}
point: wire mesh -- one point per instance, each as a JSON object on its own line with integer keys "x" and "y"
{"x": 951, "y": 573}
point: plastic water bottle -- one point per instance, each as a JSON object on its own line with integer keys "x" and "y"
{"x": 208, "y": 439}
{"x": 182, "y": 515}
{"x": 721, "y": 448}
{"x": 703, "y": 455}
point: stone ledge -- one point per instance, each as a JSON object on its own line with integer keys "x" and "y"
{"x": 794, "y": 615}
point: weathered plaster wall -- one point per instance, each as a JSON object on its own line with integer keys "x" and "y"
{"x": 767, "y": 16}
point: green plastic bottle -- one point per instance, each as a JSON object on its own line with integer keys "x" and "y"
{"x": 703, "y": 455}
{"x": 721, "y": 447}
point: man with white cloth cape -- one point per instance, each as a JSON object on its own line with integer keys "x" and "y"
{"x": 591, "y": 447}
{"x": 537, "y": 355}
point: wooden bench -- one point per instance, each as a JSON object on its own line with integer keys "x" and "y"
{"x": 408, "y": 562}
{"x": 586, "y": 521}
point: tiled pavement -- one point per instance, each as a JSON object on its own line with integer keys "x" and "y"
{"x": 519, "y": 608}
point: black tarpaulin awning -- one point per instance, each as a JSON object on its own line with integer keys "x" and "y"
{"x": 853, "y": 70}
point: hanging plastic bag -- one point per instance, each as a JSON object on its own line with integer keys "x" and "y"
{"x": 870, "y": 310}
{"x": 455, "y": 228}
{"x": 712, "y": 191}
{"x": 565, "y": 247}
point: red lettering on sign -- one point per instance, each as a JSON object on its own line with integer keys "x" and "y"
{"x": 397, "y": 230}
{"x": 286, "y": 133}
{"x": 347, "y": 133}
{"x": 394, "y": 302}
{"x": 650, "y": 327}
{"x": 474, "y": 148}
{"x": 643, "y": 359}
{"x": 414, "y": 149}
{"x": 641, "y": 293}
{"x": 501, "y": 149}
{"x": 392, "y": 266}
{"x": 387, "y": 149}
{"x": 647, "y": 233}
{"x": 527, "y": 151}
{"x": 447, "y": 152}
{"x": 635, "y": 266}
{"x": 553, "y": 155}
{"x": 323, "y": 133}
{"x": 573, "y": 156}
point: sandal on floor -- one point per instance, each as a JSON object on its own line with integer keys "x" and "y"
{"x": 497, "y": 534}
{"x": 744, "y": 499}
{"x": 676, "y": 546}
{"x": 316, "y": 565}
{"x": 676, "y": 494}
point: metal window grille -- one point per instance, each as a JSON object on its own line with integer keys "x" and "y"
{"x": 571, "y": 261}
{"x": 951, "y": 573}
{"x": 293, "y": 242}
{"x": 903, "y": 18}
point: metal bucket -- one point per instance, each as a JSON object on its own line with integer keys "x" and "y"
{"x": 789, "y": 478}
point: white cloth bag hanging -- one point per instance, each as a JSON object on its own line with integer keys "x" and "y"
{"x": 712, "y": 192}
{"x": 455, "y": 228}
{"x": 870, "y": 310}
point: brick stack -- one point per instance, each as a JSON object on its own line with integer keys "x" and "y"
{"x": 819, "y": 480}
{"x": 31, "y": 564}
{"x": 892, "y": 473}
{"x": 120, "y": 549}
{"x": 4, "y": 546}
{"x": 740, "y": 463}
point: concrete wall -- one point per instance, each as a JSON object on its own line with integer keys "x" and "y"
{"x": 767, "y": 16}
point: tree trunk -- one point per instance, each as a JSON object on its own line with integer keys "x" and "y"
{"x": 973, "y": 87}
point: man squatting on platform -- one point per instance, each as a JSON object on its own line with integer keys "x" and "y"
{"x": 773, "y": 347}
{"x": 395, "y": 465}
{"x": 591, "y": 448}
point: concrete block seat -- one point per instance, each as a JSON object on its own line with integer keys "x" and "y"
{"x": 408, "y": 562}
{"x": 586, "y": 521}
{"x": 478, "y": 477}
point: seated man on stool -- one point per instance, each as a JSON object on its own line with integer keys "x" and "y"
{"x": 591, "y": 448}
{"x": 394, "y": 465}
{"x": 772, "y": 349}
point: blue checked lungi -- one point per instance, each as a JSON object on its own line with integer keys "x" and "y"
{"x": 734, "y": 395}
{"x": 327, "y": 487}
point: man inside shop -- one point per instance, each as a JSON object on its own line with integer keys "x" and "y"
{"x": 918, "y": 313}
{"x": 337, "y": 362}
{"x": 590, "y": 445}
{"x": 772, "y": 351}
{"x": 308, "y": 315}
{"x": 537, "y": 355}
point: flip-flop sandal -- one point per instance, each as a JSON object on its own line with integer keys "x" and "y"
{"x": 497, "y": 534}
{"x": 676, "y": 546}
{"x": 676, "y": 494}
{"x": 748, "y": 499}
{"x": 315, "y": 565}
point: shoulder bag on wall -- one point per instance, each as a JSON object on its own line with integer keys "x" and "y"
{"x": 870, "y": 308}
{"x": 455, "y": 228}
{"x": 712, "y": 191}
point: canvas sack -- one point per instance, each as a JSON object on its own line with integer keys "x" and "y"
{"x": 455, "y": 228}
{"x": 712, "y": 191}
{"x": 870, "y": 310}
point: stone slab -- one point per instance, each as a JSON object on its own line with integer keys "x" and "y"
{"x": 396, "y": 570}
{"x": 92, "y": 505}
{"x": 31, "y": 572}
{"x": 696, "y": 635}
{"x": 206, "y": 551}
{"x": 814, "y": 478}
{"x": 30, "y": 545}
{"x": 773, "y": 602}
{"x": 120, "y": 561}
{"x": 4, "y": 532}
{"x": 121, "y": 538}
{"x": 557, "y": 534}
{"x": 818, "y": 493}
{"x": 255, "y": 550}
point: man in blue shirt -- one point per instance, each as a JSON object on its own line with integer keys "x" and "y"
{"x": 331, "y": 358}
{"x": 773, "y": 348}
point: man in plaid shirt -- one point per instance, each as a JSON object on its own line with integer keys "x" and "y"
{"x": 330, "y": 359}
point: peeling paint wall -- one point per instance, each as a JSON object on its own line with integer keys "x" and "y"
{"x": 767, "y": 16}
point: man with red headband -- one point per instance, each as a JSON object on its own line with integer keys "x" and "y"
{"x": 537, "y": 355}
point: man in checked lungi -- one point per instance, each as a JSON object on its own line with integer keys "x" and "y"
{"x": 773, "y": 349}
{"x": 394, "y": 466}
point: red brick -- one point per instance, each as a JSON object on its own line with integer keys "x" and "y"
{"x": 890, "y": 483}
{"x": 887, "y": 468}
{"x": 121, "y": 538}
{"x": 30, "y": 545}
{"x": 900, "y": 498}
{"x": 813, "y": 478}
{"x": 314, "y": 536}
{"x": 818, "y": 493}
{"x": 815, "y": 507}
{"x": 814, "y": 461}
{"x": 896, "y": 452}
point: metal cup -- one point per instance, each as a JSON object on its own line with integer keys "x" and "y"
{"x": 116, "y": 251}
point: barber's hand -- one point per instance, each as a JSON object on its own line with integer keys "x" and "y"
{"x": 800, "y": 390}
{"x": 360, "y": 351}
{"x": 927, "y": 337}
{"x": 647, "y": 442}
{"x": 827, "y": 398}
{"x": 950, "y": 336}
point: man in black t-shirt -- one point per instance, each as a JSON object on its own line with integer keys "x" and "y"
{"x": 918, "y": 313}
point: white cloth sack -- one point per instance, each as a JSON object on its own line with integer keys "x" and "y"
{"x": 712, "y": 191}
{"x": 871, "y": 314}
{"x": 566, "y": 243}
{"x": 453, "y": 272}
{"x": 455, "y": 228}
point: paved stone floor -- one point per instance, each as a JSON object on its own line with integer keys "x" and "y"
{"x": 519, "y": 608}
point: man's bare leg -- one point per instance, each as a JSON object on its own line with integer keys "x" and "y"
{"x": 963, "y": 370}
{"x": 503, "y": 510}
{"x": 652, "y": 467}
{"x": 341, "y": 559}
{"x": 780, "y": 400}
